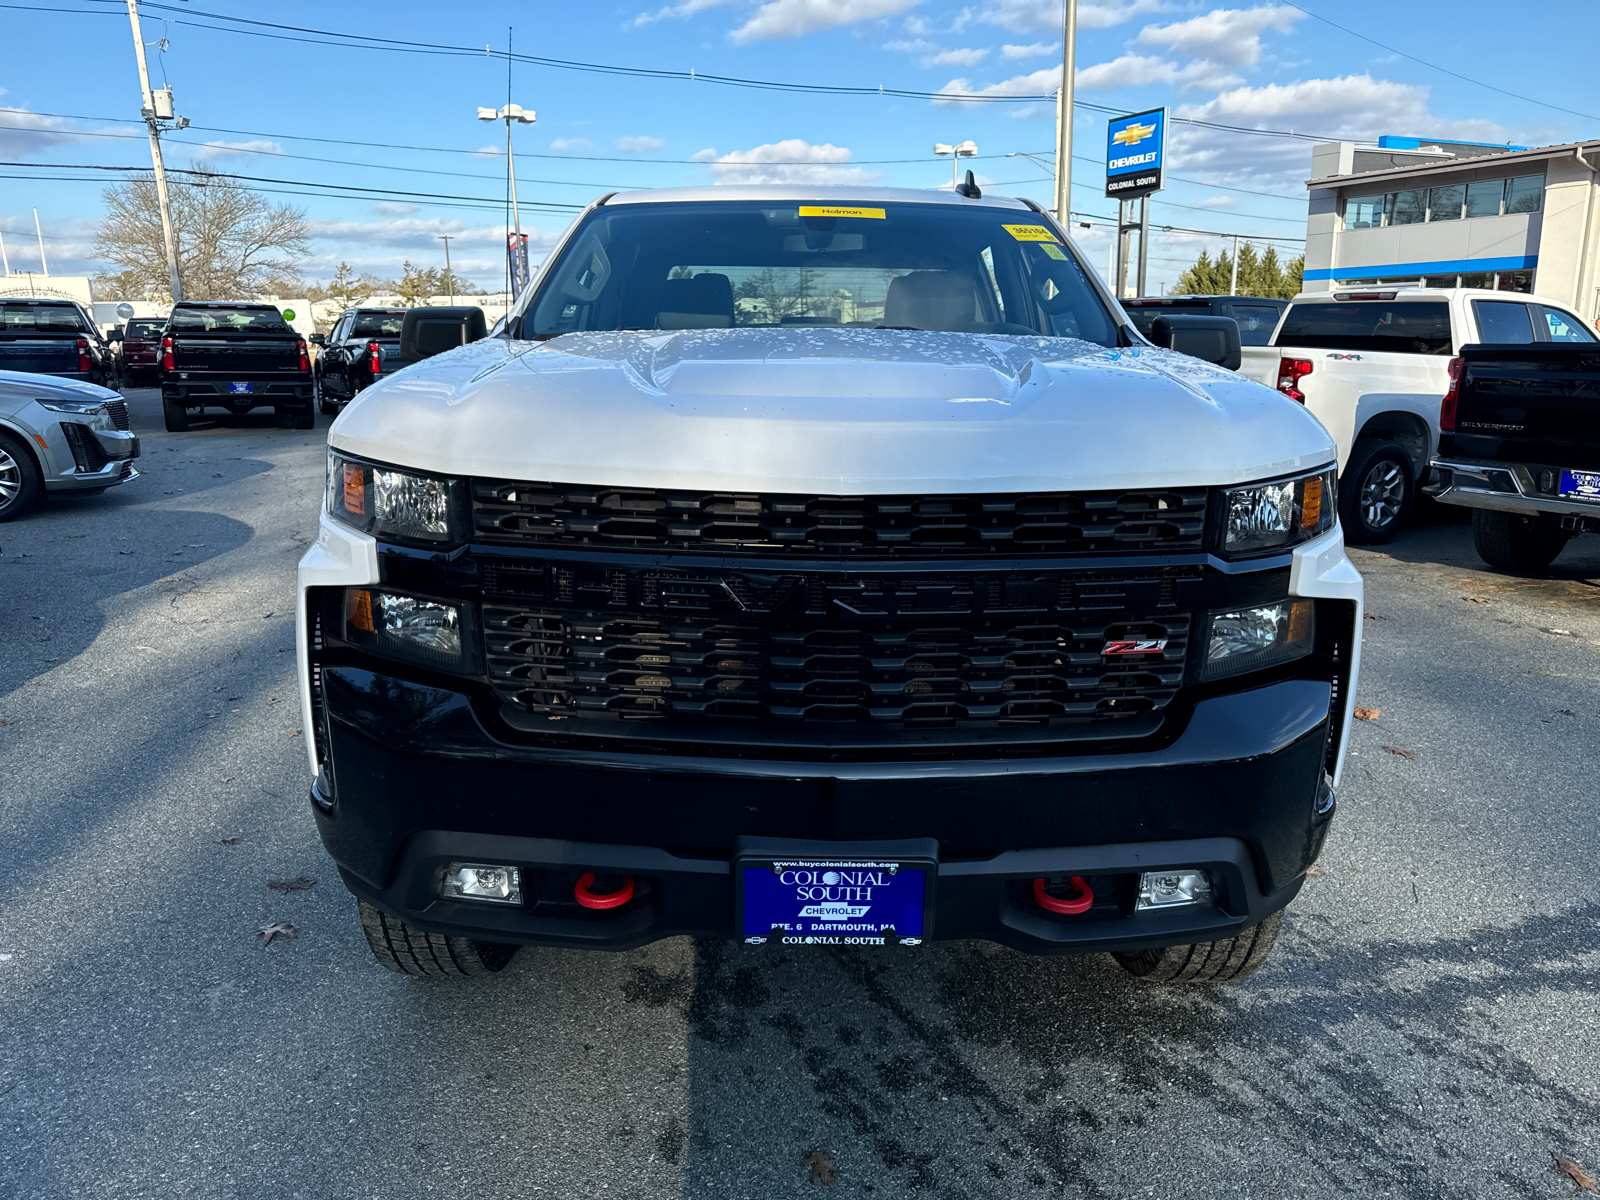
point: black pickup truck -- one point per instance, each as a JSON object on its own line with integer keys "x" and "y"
{"x": 361, "y": 348}
{"x": 54, "y": 337}
{"x": 237, "y": 356}
{"x": 1520, "y": 446}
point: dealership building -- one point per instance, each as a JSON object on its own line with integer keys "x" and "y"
{"x": 1435, "y": 213}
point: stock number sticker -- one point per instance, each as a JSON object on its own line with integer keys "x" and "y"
{"x": 1030, "y": 233}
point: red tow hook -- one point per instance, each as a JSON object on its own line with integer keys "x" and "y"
{"x": 1082, "y": 902}
{"x": 615, "y": 899}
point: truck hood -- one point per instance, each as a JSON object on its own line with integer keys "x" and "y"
{"x": 832, "y": 412}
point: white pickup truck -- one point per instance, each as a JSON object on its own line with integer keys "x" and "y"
{"x": 1373, "y": 365}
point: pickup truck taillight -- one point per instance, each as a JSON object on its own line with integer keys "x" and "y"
{"x": 374, "y": 358}
{"x": 305, "y": 358}
{"x": 1447, "y": 409}
{"x": 84, "y": 364}
{"x": 166, "y": 355}
{"x": 1290, "y": 372}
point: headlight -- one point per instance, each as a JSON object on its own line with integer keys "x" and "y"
{"x": 387, "y": 502}
{"x": 1252, "y": 638}
{"x": 1274, "y": 516}
{"x": 430, "y": 633}
{"x": 82, "y": 408}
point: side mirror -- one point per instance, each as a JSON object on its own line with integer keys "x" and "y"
{"x": 1214, "y": 339}
{"x": 114, "y": 336}
{"x": 430, "y": 331}
{"x": 317, "y": 339}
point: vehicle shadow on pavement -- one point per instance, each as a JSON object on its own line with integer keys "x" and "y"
{"x": 1441, "y": 535}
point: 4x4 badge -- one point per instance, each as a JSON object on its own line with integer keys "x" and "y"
{"x": 1146, "y": 646}
{"x": 1345, "y": 357}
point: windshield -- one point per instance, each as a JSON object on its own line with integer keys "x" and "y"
{"x": 726, "y": 264}
{"x": 378, "y": 324}
{"x": 41, "y": 318}
{"x": 228, "y": 320}
{"x": 1404, "y": 327}
{"x": 144, "y": 329}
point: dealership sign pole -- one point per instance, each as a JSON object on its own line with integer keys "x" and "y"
{"x": 1135, "y": 155}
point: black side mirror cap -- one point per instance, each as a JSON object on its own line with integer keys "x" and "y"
{"x": 114, "y": 335}
{"x": 1215, "y": 339}
{"x": 430, "y": 331}
{"x": 317, "y": 339}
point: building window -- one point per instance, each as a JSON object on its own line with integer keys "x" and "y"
{"x": 1514, "y": 281}
{"x": 1408, "y": 208}
{"x": 1445, "y": 203}
{"x": 1452, "y": 202}
{"x": 1484, "y": 197}
{"x": 1363, "y": 212}
{"x": 1525, "y": 194}
{"x": 1477, "y": 279}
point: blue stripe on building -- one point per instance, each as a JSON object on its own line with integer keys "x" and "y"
{"x": 1452, "y": 266}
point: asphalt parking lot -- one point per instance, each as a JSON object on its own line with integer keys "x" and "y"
{"x": 1429, "y": 1024}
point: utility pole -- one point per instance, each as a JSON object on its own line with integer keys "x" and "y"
{"x": 154, "y": 114}
{"x": 449, "y": 277}
{"x": 1233, "y": 284}
{"x": 1069, "y": 54}
{"x": 44, "y": 267}
{"x": 1144, "y": 241}
{"x": 3, "y": 259}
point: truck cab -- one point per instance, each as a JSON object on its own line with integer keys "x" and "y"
{"x": 825, "y": 567}
{"x": 47, "y": 336}
{"x": 1372, "y": 364}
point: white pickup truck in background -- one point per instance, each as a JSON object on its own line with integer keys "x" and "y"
{"x": 1374, "y": 365}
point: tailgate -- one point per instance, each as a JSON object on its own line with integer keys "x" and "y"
{"x": 1529, "y": 404}
{"x": 234, "y": 357}
{"x": 42, "y": 356}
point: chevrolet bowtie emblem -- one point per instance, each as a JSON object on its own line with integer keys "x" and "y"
{"x": 1133, "y": 134}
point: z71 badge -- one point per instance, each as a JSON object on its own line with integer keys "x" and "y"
{"x": 1144, "y": 646}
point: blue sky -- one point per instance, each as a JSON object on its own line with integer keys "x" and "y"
{"x": 1266, "y": 66}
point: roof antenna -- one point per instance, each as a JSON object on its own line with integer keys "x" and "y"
{"x": 969, "y": 189}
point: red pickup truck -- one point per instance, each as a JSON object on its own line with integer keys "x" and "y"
{"x": 141, "y": 351}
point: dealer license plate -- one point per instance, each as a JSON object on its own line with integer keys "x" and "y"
{"x": 239, "y": 388}
{"x": 1581, "y": 485}
{"x": 835, "y": 901}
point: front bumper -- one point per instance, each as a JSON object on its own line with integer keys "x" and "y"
{"x": 1504, "y": 487}
{"x": 84, "y": 457}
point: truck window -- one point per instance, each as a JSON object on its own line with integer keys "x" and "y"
{"x": 223, "y": 319}
{"x": 1400, "y": 327}
{"x": 738, "y": 264}
{"x": 1502, "y": 322}
{"x": 40, "y": 318}
{"x": 376, "y": 325}
{"x": 1256, "y": 323}
{"x": 1564, "y": 327}
{"x": 144, "y": 329}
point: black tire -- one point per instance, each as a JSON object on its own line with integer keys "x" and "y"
{"x": 1513, "y": 542}
{"x": 1376, "y": 492}
{"x": 19, "y": 478}
{"x": 1205, "y": 962}
{"x": 176, "y": 416}
{"x": 408, "y": 951}
{"x": 303, "y": 418}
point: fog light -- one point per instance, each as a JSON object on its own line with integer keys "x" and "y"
{"x": 480, "y": 881}
{"x": 1169, "y": 889}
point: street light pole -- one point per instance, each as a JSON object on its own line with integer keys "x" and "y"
{"x": 1069, "y": 54}
{"x": 509, "y": 113}
{"x": 152, "y": 117}
{"x": 449, "y": 277}
{"x": 957, "y": 151}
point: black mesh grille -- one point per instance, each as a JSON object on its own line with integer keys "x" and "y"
{"x": 87, "y": 452}
{"x": 547, "y": 514}
{"x": 117, "y": 410}
{"x": 850, "y": 656}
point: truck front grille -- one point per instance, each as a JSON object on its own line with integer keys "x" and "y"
{"x": 1010, "y": 524}
{"x": 832, "y": 657}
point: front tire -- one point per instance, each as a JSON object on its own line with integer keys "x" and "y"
{"x": 1513, "y": 542}
{"x": 19, "y": 478}
{"x": 175, "y": 415}
{"x": 1375, "y": 492}
{"x": 407, "y": 951}
{"x": 1205, "y": 962}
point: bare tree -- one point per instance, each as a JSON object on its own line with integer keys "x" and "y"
{"x": 231, "y": 241}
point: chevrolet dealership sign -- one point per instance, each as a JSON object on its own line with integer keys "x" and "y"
{"x": 1135, "y": 147}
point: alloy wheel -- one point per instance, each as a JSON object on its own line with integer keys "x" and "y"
{"x": 1381, "y": 494}
{"x": 10, "y": 478}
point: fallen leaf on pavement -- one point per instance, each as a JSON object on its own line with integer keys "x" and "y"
{"x": 1408, "y": 755}
{"x": 298, "y": 884}
{"x": 1376, "y": 617}
{"x": 294, "y": 733}
{"x": 1575, "y": 1173}
{"x": 1315, "y": 871}
{"x": 1477, "y": 600}
{"x": 822, "y": 1168}
{"x": 230, "y": 841}
{"x": 1367, "y": 714}
{"x": 277, "y": 929}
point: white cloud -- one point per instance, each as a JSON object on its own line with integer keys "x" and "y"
{"x": 639, "y": 144}
{"x": 1036, "y": 50}
{"x": 1225, "y": 35}
{"x": 1136, "y": 70}
{"x": 1035, "y": 83}
{"x": 24, "y": 133}
{"x": 212, "y": 150}
{"x": 1215, "y": 202}
{"x": 1025, "y": 16}
{"x": 491, "y": 151}
{"x": 706, "y": 155}
{"x": 564, "y": 145}
{"x": 778, "y": 20}
{"x": 793, "y": 160}
{"x": 687, "y": 9}
{"x": 929, "y": 55}
{"x": 394, "y": 208}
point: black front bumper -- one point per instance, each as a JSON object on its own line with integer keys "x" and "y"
{"x": 418, "y": 782}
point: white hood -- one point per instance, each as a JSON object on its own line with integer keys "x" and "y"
{"x": 830, "y": 411}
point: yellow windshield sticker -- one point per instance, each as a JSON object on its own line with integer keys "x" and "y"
{"x": 826, "y": 210}
{"x": 1030, "y": 233}
{"x": 1054, "y": 251}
